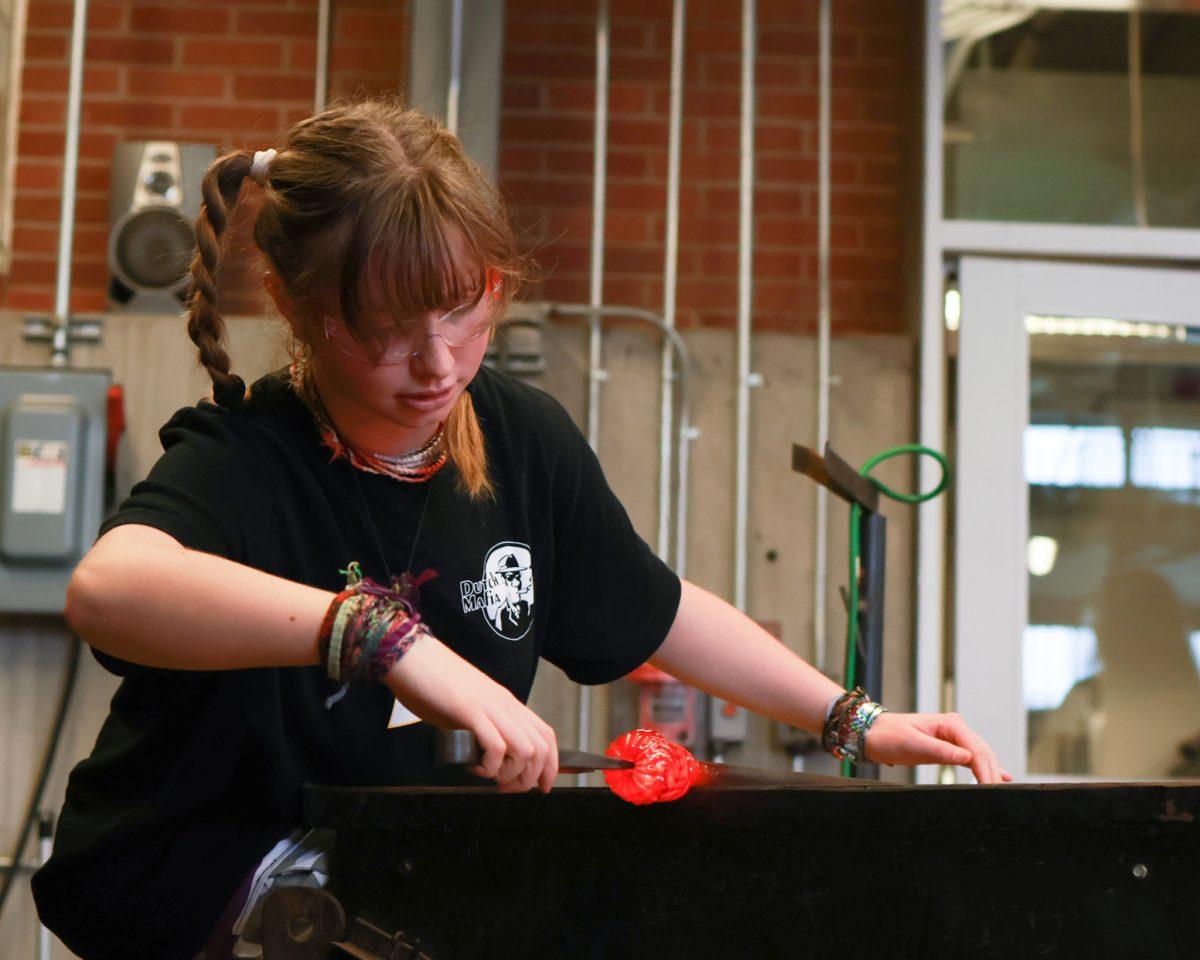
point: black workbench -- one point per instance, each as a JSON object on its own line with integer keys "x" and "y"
{"x": 963, "y": 872}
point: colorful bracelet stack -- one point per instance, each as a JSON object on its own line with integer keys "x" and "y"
{"x": 847, "y": 724}
{"x": 368, "y": 627}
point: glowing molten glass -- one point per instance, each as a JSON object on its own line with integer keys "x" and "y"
{"x": 662, "y": 770}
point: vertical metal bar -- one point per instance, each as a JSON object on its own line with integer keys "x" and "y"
{"x": 599, "y": 177}
{"x": 454, "y": 87}
{"x": 596, "y": 297}
{"x": 821, "y": 519}
{"x": 321, "y": 74}
{"x": 745, "y": 291}
{"x": 670, "y": 278}
{"x": 873, "y": 537}
{"x": 931, "y": 516}
{"x": 60, "y": 337}
{"x": 45, "y": 848}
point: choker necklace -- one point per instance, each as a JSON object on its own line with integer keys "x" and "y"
{"x": 415, "y": 466}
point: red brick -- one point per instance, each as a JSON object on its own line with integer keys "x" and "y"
{"x": 40, "y": 47}
{"x": 36, "y": 208}
{"x": 52, "y": 111}
{"x": 32, "y": 299}
{"x": 302, "y": 54}
{"x": 212, "y": 117}
{"x": 368, "y": 25}
{"x": 100, "y": 16}
{"x": 126, "y": 113}
{"x": 46, "y": 79}
{"x": 35, "y": 239}
{"x": 273, "y": 87}
{"x": 37, "y": 176}
{"x": 39, "y": 143}
{"x": 175, "y": 19}
{"x": 521, "y": 96}
{"x": 277, "y": 24}
{"x": 176, "y": 84}
{"x": 129, "y": 50}
{"x": 225, "y": 53}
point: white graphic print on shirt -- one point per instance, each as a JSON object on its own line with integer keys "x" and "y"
{"x": 504, "y": 597}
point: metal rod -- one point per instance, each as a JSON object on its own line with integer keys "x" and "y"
{"x": 45, "y": 848}
{"x": 596, "y": 297}
{"x": 670, "y": 277}
{"x": 454, "y": 87}
{"x": 931, "y": 518}
{"x": 745, "y": 291}
{"x": 61, "y": 337}
{"x": 686, "y": 432}
{"x": 821, "y": 519}
{"x": 321, "y": 75}
{"x": 599, "y": 185}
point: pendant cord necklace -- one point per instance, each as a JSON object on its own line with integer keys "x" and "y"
{"x": 375, "y": 532}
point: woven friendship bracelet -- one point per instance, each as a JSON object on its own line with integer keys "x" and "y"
{"x": 368, "y": 627}
{"x": 846, "y": 727}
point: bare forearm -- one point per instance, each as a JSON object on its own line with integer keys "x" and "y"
{"x": 716, "y": 648}
{"x": 142, "y": 597}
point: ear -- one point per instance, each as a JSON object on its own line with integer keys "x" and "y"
{"x": 274, "y": 286}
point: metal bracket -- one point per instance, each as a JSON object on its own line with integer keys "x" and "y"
{"x": 834, "y": 473}
{"x": 85, "y": 328}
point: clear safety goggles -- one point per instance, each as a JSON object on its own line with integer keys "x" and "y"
{"x": 399, "y": 342}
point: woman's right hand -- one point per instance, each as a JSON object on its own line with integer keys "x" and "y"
{"x": 519, "y": 749}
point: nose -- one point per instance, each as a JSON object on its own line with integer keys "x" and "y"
{"x": 432, "y": 357}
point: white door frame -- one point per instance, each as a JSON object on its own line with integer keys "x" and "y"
{"x": 991, "y": 496}
{"x": 941, "y": 239}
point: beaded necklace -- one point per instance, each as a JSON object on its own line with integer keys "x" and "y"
{"x": 415, "y": 466}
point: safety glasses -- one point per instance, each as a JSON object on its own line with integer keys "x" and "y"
{"x": 401, "y": 341}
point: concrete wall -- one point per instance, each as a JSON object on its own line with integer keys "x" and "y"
{"x": 872, "y": 408}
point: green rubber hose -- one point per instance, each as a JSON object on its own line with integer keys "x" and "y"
{"x": 915, "y": 449}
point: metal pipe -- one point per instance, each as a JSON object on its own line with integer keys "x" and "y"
{"x": 595, "y": 373}
{"x": 599, "y": 184}
{"x": 670, "y": 276}
{"x": 686, "y": 432}
{"x": 821, "y": 520}
{"x": 61, "y": 336}
{"x": 321, "y": 76}
{"x": 745, "y": 290}
{"x": 45, "y": 848}
{"x": 454, "y": 87}
{"x": 931, "y": 518}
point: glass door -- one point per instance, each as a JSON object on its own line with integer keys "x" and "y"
{"x": 1077, "y": 561}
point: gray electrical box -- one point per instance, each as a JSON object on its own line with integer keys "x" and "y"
{"x": 53, "y": 436}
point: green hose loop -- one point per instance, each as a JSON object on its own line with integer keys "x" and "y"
{"x": 916, "y": 449}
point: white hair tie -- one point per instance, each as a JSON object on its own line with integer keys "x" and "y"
{"x": 262, "y": 160}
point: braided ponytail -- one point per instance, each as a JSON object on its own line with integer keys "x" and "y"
{"x": 220, "y": 188}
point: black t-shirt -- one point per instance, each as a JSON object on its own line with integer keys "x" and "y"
{"x": 196, "y": 774}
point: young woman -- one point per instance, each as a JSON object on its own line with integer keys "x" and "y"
{"x": 259, "y": 569}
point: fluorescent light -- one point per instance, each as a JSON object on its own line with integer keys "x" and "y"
{"x": 1040, "y": 554}
{"x": 953, "y": 309}
{"x": 1099, "y": 327}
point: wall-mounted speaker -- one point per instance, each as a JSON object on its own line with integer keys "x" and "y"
{"x": 153, "y": 199}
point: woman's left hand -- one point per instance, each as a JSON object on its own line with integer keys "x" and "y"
{"x": 944, "y": 738}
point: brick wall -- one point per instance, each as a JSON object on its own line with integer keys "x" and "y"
{"x": 237, "y": 73}
{"x": 547, "y": 160}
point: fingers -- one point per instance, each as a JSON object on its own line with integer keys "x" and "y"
{"x": 528, "y": 753}
{"x": 984, "y": 763}
{"x": 933, "y": 738}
